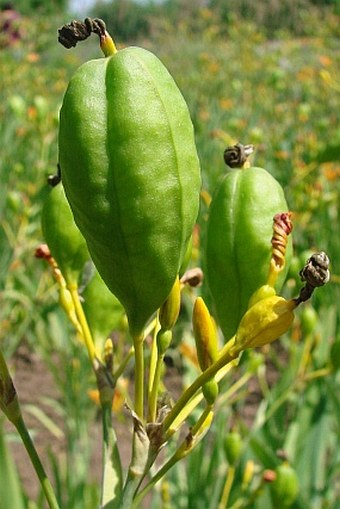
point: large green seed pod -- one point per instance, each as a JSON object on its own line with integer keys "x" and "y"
{"x": 66, "y": 243}
{"x": 131, "y": 174}
{"x": 238, "y": 249}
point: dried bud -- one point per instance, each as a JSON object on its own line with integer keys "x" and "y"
{"x": 192, "y": 277}
{"x": 316, "y": 271}
{"x": 236, "y": 156}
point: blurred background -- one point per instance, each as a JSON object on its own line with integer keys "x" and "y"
{"x": 264, "y": 72}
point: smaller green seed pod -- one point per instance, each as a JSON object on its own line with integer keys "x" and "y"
{"x": 309, "y": 319}
{"x": 238, "y": 247}
{"x": 164, "y": 338}
{"x": 103, "y": 311}
{"x": 284, "y": 489}
{"x": 210, "y": 391}
{"x": 66, "y": 243}
{"x": 233, "y": 447}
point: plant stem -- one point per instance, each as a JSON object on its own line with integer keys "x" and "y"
{"x": 154, "y": 389}
{"x": 227, "y": 356}
{"x": 123, "y": 364}
{"x": 152, "y": 374}
{"x": 185, "y": 447}
{"x": 44, "y": 481}
{"x": 87, "y": 336}
{"x": 112, "y": 469}
{"x": 227, "y": 487}
{"x": 139, "y": 376}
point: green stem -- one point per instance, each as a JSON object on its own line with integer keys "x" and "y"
{"x": 152, "y": 374}
{"x": 155, "y": 387}
{"x": 228, "y": 355}
{"x": 140, "y": 448}
{"x": 139, "y": 376}
{"x": 123, "y": 364}
{"x": 184, "y": 448}
{"x": 112, "y": 469}
{"x": 44, "y": 481}
{"x": 227, "y": 487}
{"x": 87, "y": 336}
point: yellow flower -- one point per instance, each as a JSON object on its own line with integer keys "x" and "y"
{"x": 264, "y": 322}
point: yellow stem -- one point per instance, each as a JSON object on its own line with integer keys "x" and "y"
{"x": 227, "y": 488}
{"x": 87, "y": 336}
{"x": 194, "y": 402}
{"x": 107, "y": 45}
{"x": 152, "y": 372}
{"x": 139, "y": 376}
{"x": 229, "y": 354}
{"x": 154, "y": 389}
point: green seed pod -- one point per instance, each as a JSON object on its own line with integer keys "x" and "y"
{"x": 164, "y": 338}
{"x": 309, "y": 319}
{"x": 131, "y": 174}
{"x": 238, "y": 249}
{"x": 233, "y": 447}
{"x": 210, "y": 391}
{"x": 104, "y": 312}
{"x": 285, "y": 487}
{"x": 66, "y": 243}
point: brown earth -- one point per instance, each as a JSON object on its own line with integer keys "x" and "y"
{"x": 33, "y": 382}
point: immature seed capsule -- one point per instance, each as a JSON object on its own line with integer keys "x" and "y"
{"x": 66, "y": 243}
{"x": 238, "y": 249}
{"x": 131, "y": 174}
{"x": 233, "y": 446}
{"x": 103, "y": 311}
{"x": 285, "y": 488}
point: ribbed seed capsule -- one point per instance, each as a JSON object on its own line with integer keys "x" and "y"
{"x": 131, "y": 174}
{"x": 238, "y": 249}
{"x": 66, "y": 243}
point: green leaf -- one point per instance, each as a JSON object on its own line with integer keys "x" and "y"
{"x": 10, "y": 489}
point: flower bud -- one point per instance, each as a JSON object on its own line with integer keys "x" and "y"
{"x": 285, "y": 487}
{"x": 233, "y": 447}
{"x": 264, "y": 322}
{"x": 169, "y": 310}
{"x": 210, "y": 391}
{"x": 164, "y": 338}
{"x": 205, "y": 334}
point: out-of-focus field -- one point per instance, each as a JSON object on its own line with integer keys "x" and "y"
{"x": 282, "y": 95}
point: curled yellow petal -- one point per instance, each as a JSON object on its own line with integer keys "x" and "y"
{"x": 264, "y": 322}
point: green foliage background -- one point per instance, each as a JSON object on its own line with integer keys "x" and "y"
{"x": 250, "y": 75}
